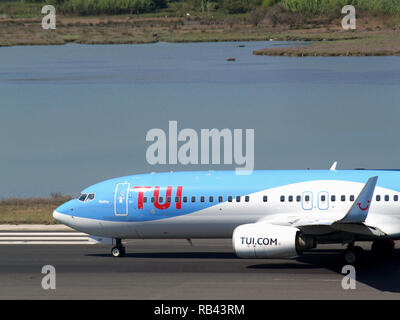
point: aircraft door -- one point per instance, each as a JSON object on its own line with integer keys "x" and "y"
{"x": 121, "y": 199}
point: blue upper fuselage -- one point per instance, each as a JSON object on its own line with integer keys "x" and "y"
{"x": 119, "y": 199}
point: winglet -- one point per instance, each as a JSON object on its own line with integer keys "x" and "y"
{"x": 333, "y": 167}
{"x": 359, "y": 210}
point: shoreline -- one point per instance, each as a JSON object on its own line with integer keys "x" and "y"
{"x": 383, "y": 43}
{"x": 371, "y": 38}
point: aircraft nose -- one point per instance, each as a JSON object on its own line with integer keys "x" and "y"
{"x": 59, "y": 217}
{"x": 63, "y": 212}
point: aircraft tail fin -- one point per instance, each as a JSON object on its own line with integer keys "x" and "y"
{"x": 359, "y": 210}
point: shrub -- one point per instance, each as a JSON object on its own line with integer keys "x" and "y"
{"x": 239, "y": 6}
{"x": 257, "y": 15}
{"x": 235, "y": 6}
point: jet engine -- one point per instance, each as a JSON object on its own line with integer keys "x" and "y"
{"x": 262, "y": 241}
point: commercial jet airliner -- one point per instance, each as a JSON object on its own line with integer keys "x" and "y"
{"x": 267, "y": 214}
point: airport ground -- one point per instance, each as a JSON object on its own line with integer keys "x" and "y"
{"x": 172, "y": 269}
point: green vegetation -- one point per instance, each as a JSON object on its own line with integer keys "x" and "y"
{"x": 32, "y": 8}
{"x": 178, "y": 8}
{"x": 375, "y": 7}
{"x": 30, "y": 210}
{"x": 111, "y": 7}
{"x": 20, "y": 9}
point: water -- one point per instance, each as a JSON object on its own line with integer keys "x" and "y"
{"x": 74, "y": 115}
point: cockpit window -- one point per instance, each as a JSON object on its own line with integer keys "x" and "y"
{"x": 85, "y": 197}
{"x": 90, "y": 196}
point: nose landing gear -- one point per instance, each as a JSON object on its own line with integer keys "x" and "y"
{"x": 118, "y": 250}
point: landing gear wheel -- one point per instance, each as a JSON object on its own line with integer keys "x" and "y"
{"x": 383, "y": 248}
{"x": 353, "y": 255}
{"x": 118, "y": 251}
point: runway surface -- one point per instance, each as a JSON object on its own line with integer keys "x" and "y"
{"x": 172, "y": 269}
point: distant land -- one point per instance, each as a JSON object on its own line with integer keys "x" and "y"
{"x": 30, "y": 210}
{"x": 147, "y": 21}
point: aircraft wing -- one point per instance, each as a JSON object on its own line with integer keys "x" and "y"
{"x": 352, "y": 221}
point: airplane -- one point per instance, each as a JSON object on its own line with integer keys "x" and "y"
{"x": 267, "y": 214}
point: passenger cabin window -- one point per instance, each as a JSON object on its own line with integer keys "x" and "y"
{"x": 193, "y": 199}
{"x": 386, "y": 197}
{"x": 229, "y": 198}
{"x": 298, "y": 198}
{"x": 168, "y": 199}
{"x": 378, "y": 197}
{"x": 211, "y": 199}
{"x": 333, "y": 198}
{"x": 144, "y": 199}
{"x": 237, "y": 198}
{"x": 351, "y": 198}
{"x": 220, "y": 199}
{"x": 265, "y": 198}
{"x": 307, "y": 198}
{"x": 395, "y": 197}
{"x": 184, "y": 199}
{"x": 343, "y": 198}
{"x": 290, "y": 198}
{"x": 202, "y": 199}
{"x": 282, "y": 198}
{"x": 247, "y": 198}
{"x": 323, "y": 198}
